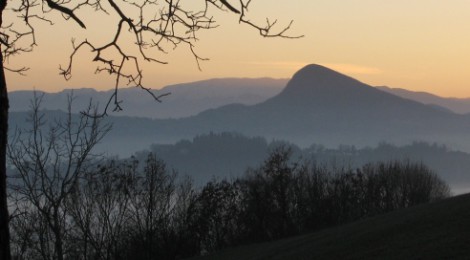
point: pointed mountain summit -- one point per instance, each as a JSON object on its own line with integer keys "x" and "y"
{"x": 322, "y": 86}
{"x": 319, "y": 90}
{"x": 318, "y": 105}
{"x": 321, "y": 103}
{"x": 313, "y": 78}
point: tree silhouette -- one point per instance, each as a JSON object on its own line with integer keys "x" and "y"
{"x": 49, "y": 163}
{"x": 158, "y": 25}
{"x": 129, "y": 210}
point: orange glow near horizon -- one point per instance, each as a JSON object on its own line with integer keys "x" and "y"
{"x": 420, "y": 45}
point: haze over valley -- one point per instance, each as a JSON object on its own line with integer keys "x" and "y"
{"x": 224, "y": 129}
{"x": 318, "y": 106}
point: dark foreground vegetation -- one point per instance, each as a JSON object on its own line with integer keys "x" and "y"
{"x": 436, "y": 230}
{"x": 68, "y": 203}
{"x": 120, "y": 210}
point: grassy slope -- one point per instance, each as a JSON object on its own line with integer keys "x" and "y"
{"x": 439, "y": 230}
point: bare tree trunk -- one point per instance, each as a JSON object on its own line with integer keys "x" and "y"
{"x": 58, "y": 243}
{"x": 5, "y": 253}
{"x": 4, "y": 216}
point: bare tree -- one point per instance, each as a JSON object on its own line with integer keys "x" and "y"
{"x": 158, "y": 25}
{"x": 122, "y": 210}
{"x": 4, "y": 215}
{"x": 49, "y": 163}
{"x": 154, "y": 27}
{"x": 151, "y": 205}
{"x": 219, "y": 209}
{"x": 99, "y": 209}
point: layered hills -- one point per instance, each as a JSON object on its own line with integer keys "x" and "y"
{"x": 324, "y": 106}
{"x": 318, "y": 105}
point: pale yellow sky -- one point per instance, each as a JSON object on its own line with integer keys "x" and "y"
{"x": 418, "y": 45}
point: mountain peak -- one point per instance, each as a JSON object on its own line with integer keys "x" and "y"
{"x": 315, "y": 81}
{"x": 321, "y": 76}
{"x": 314, "y": 69}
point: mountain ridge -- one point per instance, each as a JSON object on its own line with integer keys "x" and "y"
{"x": 318, "y": 95}
{"x": 457, "y": 105}
{"x": 186, "y": 99}
{"x": 331, "y": 114}
{"x": 191, "y": 98}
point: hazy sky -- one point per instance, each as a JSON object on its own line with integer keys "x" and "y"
{"x": 418, "y": 45}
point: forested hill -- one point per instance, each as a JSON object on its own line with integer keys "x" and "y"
{"x": 228, "y": 155}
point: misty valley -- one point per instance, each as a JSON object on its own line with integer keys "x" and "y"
{"x": 227, "y": 162}
{"x": 224, "y": 129}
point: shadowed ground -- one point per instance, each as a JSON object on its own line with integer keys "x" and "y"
{"x": 438, "y": 230}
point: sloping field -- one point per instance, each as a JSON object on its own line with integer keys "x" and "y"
{"x": 438, "y": 230}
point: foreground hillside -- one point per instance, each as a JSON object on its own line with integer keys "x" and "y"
{"x": 434, "y": 231}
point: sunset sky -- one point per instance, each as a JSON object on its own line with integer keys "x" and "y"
{"x": 421, "y": 45}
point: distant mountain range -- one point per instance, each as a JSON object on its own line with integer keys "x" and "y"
{"x": 457, "y": 105}
{"x": 185, "y": 99}
{"x": 321, "y": 105}
{"x": 318, "y": 105}
{"x": 189, "y": 99}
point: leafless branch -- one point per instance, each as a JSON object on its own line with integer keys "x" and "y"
{"x": 156, "y": 26}
{"x": 20, "y": 71}
{"x": 66, "y": 11}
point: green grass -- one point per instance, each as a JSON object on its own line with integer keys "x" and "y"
{"x": 439, "y": 230}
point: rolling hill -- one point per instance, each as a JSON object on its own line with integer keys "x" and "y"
{"x": 431, "y": 231}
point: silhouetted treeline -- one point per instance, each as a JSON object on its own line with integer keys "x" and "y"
{"x": 282, "y": 198}
{"x": 133, "y": 210}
